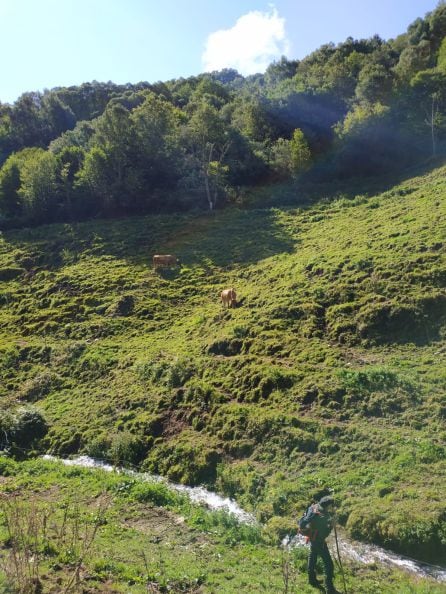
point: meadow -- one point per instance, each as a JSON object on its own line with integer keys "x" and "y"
{"x": 329, "y": 373}
{"x": 68, "y": 529}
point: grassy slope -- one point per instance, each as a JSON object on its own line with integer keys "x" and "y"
{"x": 148, "y": 535}
{"x": 330, "y": 372}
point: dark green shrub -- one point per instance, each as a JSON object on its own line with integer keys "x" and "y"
{"x": 240, "y": 478}
{"x": 428, "y": 452}
{"x": 328, "y": 447}
{"x": 23, "y": 427}
{"x": 179, "y": 372}
{"x": 418, "y": 321}
{"x": 99, "y": 447}
{"x": 67, "y": 442}
{"x": 341, "y": 322}
{"x": 8, "y": 467}
{"x": 377, "y": 391}
{"x": 258, "y": 382}
{"x": 75, "y": 350}
{"x": 9, "y": 358}
{"x": 370, "y": 379}
{"x": 293, "y": 438}
{"x": 202, "y": 394}
{"x": 241, "y": 331}
{"x": 277, "y": 528}
{"x": 95, "y": 363}
{"x": 146, "y": 423}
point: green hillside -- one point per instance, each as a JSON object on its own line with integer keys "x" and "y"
{"x": 330, "y": 372}
{"x": 359, "y": 108}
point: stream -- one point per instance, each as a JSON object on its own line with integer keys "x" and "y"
{"x": 350, "y": 549}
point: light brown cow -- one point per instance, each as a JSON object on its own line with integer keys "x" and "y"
{"x": 164, "y": 261}
{"x": 229, "y": 297}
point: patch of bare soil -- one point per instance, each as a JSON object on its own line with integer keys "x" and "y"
{"x": 163, "y": 525}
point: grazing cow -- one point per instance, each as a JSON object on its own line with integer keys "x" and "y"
{"x": 164, "y": 261}
{"x": 229, "y": 297}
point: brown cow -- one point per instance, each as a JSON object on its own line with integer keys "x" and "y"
{"x": 229, "y": 297}
{"x": 164, "y": 261}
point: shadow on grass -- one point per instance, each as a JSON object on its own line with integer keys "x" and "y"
{"x": 236, "y": 237}
{"x": 168, "y": 274}
{"x": 310, "y": 189}
{"x": 222, "y": 239}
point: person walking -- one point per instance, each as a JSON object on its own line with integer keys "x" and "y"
{"x": 316, "y": 525}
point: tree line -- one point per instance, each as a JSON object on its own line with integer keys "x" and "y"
{"x": 362, "y": 107}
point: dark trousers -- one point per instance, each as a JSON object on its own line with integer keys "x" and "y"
{"x": 320, "y": 549}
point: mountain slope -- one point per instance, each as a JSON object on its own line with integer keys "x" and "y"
{"x": 329, "y": 373}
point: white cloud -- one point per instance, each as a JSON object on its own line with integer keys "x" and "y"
{"x": 256, "y": 40}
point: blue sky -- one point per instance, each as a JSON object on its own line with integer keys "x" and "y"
{"x": 48, "y": 43}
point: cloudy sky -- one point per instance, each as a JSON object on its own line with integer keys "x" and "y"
{"x": 48, "y": 43}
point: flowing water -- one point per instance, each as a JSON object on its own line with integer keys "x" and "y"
{"x": 198, "y": 495}
{"x": 356, "y": 551}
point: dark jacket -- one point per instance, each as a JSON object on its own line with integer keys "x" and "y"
{"x": 316, "y": 524}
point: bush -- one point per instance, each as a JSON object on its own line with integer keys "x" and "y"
{"x": 341, "y": 324}
{"x": 418, "y": 321}
{"x": 8, "y": 467}
{"x": 227, "y": 347}
{"x": 201, "y": 393}
{"x": 99, "y": 447}
{"x": 369, "y": 380}
{"x": 260, "y": 381}
{"x": 378, "y": 391}
{"x": 125, "y": 448}
{"x": 241, "y": 478}
{"x": 23, "y": 428}
{"x": 190, "y": 459}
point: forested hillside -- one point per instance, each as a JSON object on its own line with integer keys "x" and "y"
{"x": 360, "y": 108}
{"x": 316, "y": 191}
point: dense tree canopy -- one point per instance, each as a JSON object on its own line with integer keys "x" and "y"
{"x": 363, "y": 107}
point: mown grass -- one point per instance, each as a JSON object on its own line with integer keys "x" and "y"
{"x": 330, "y": 373}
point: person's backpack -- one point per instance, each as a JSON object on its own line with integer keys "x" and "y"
{"x": 304, "y": 523}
